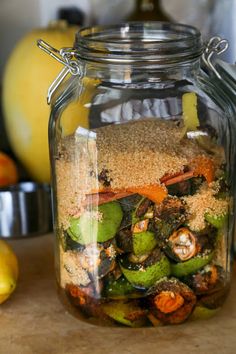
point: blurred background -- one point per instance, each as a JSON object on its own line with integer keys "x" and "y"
{"x": 18, "y": 17}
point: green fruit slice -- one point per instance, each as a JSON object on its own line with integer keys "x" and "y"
{"x": 216, "y": 221}
{"x": 139, "y": 243}
{"x": 127, "y": 313}
{"x": 145, "y": 274}
{"x": 121, "y": 289}
{"x": 89, "y": 228}
{"x": 191, "y": 266}
{"x": 203, "y": 313}
{"x": 144, "y": 242}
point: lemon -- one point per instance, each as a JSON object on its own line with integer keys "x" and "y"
{"x": 8, "y": 271}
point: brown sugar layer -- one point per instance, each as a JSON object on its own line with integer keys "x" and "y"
{"x": 141, "y": 152}
{"x": 133, "y": 154}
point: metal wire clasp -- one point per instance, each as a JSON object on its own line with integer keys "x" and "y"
{"x": 63, "y": 56}
{"x": 216, "y": 45}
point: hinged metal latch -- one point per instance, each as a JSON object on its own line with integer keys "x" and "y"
{"x": 65, "y": 57}
{"x": 216, "y": 45}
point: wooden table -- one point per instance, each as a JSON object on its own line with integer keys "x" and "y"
{"x": 34, "y": 321}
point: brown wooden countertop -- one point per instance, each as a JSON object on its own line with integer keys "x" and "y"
{"x": 34, "y": 321}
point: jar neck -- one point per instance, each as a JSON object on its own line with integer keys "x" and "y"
{"x": 136, "y": 75}
{"x": 157, "y": 45}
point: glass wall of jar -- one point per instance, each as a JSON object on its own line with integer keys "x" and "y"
{"x": 141, "y": 152}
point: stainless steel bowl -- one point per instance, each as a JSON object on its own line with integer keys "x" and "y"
{"x": 25, "y": 210}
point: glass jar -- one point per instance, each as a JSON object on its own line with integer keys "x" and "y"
{"x": 141, "y": 155}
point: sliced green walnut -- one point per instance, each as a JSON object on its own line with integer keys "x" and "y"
{"x": 203, "y": 313}
{"x": 141, "y": 210}
{"x": 140, "y": 226}
{"x": 144, "y": 242}
{"x": 130, "y": 202}
{"x": 168, "y": 216}
{"x": 221, "y": 233}
{"x": 218, "y": 221}
{"x": 127, "y": 313}
{"x": 68, "y": 244}
{"x": 191, "y": 266}
{"x": 182, "y": 245}
{"x": 138, "y": 243}
{"x": 98, "y": 225}
{"x": 124, "y": 240}
{"x": 207, "y": 280}
{"x": 206, "y": 239}
{"x": 119, "y": 289}
{"x": 143, "y": 271}
{"x": 171, "y": 301}
{"x": 128, "y": 205}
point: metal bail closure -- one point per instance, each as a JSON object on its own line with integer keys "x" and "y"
{"x": 216, "y": 45}
{"x": 63, "y": 56}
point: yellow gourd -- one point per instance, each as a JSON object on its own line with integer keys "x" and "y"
{"x": 28, "y": 74}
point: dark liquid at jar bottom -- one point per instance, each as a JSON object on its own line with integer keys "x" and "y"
{"x": 92, "y": 312}
{"x": 71, "y": 304}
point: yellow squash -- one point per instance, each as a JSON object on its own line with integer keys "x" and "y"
{"x": 28, "y": 74}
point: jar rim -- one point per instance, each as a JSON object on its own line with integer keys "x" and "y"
{"x": 156, "y": 43}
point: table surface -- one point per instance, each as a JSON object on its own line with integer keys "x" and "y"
{"x": 33, "y": 321}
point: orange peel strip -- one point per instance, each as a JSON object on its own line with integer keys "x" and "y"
{"x": 156, "y": 193}
{"x": 203, "y": 166}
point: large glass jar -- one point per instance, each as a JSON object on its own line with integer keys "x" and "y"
{"x": 141, "y": 154}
